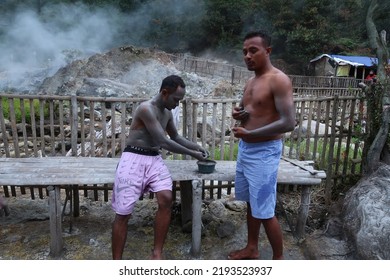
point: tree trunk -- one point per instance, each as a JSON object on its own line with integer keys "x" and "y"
{"x": 378, "y": 146}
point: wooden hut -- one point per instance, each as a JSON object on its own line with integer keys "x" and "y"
{"x": 343, "y": 66}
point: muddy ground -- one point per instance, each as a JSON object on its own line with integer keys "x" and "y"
{"x": 24, "y": 235}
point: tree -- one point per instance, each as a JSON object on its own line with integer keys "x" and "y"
{"x": 223, "y": 22}
{"x": 302, "y": 29}
{"x": 378, "y": 97}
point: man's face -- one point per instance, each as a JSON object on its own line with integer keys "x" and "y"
{"x": 255, "y": 53}
{"x": 174, "y": 98}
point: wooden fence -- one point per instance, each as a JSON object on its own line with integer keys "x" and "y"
{"x": 94, "y": 126}
{"x": 239, "y": 75}
{"x": 322, "y": 92}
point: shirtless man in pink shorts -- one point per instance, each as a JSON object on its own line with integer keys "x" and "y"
{"x": 142, "y": 169}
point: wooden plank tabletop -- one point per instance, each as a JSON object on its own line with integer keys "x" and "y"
{"x": 97, "y": 170}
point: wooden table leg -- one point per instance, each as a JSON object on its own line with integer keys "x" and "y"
{"x": 76, "y": 201}
{"x": 196, "y": 217}
{"x": 68, "y": 197}
{"x": 55, "y": 215}
{"x": 186, "y": 203}
{"x": 303, "y": 212}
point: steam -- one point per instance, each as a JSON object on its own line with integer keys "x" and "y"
{"x": 34, "y": 46}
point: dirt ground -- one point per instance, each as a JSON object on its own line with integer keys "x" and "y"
{"x": 24, "y": 234}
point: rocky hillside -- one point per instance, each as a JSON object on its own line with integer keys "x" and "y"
{"x": 131, "y": 72}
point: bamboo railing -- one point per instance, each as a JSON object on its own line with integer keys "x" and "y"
{"x": 97, "y": 126}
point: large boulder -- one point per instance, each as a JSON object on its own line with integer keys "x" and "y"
{"x": 303, "y": 129}
{"x": 366, "y": 212}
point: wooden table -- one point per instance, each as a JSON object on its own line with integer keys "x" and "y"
{"x": 55, "y": 172}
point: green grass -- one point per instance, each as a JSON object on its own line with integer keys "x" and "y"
{"x": 217, "y": 153}
{"x": 25, "y": 106}
{"x": 226, "y": 153}
{"x": 322, "y": 154}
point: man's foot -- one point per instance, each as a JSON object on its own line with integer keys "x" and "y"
{"x": 3, "y": 208}
{"x": 156, "y": 255}
{"x": 6, "y": 210}
{"x": 244, "y": 254}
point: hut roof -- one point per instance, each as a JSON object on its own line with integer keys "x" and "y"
{"x": 351, "y": 60}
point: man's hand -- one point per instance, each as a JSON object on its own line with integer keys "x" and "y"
{"x": 240, "y": 114}
{"x": 205, "y": 153}
{"x": 239, "y": 132}
{"x": 200, "y": 155}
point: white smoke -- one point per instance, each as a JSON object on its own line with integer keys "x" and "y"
{"x": 34, "y": 43}
{"x": 34, "y": 46}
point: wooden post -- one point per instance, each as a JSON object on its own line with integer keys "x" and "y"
{"x": 74, "y": 124}
{"x": 189, "y": 121}
{"x": 185, "y": 117}
{"x": 303, "y": 212}
{"x": 186, "y": 202}
{"x": 329, "y": 169}
{"x": 74, "y": 136}
{"x": 196, "y": 217}
{"x": 4, "y": 138}
{"x": 55, "y": 215}
{"x": 13, "y": 126}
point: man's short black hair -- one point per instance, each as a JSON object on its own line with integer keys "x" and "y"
{"x": 259, "y": 33}
{"x": 172, "y": 82}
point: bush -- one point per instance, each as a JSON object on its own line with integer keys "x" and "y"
{"x": 18, "y": 107}
{"x": 226, "y": 151}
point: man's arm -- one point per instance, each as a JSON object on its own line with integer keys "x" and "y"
{"x": 174, "y": 136}
{"x": 284, "y": 103}
{"x": 158, "y": 134}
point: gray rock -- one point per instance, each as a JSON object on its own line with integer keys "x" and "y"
{"x": 104, "y": 87}
{"x": 217, "y": 210}
{"x": 319, "y": 246}
{"x": 367, "y": 215}
{"x": 235, "y": 205}
{"x": 225, "y": 229}
{"x": 304, "y": 127}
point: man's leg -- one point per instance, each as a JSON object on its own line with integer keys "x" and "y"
{"x": 275, "y": 237}
{"x": 119, "y": 235}
{"x": 161, "y": 222}
{"x": 3, "y": 207}
{"x": 251, "y": 251}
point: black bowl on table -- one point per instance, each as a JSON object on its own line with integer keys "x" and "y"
{"x": 206, "y": 166}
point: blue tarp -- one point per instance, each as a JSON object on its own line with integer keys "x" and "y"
{"x": 351, "y": 60}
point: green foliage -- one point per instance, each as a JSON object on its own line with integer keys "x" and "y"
{"x": 176, "y": 30}
{"x": 310, "y": 32}
{"x": 226, "y": 153}
{"x": 25, "y": 107}
{"x": 223, "y": 24}
{"x": 346, "y": 44}
{"x": 339, "y": 154}
{"x": 374, "y": 96}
